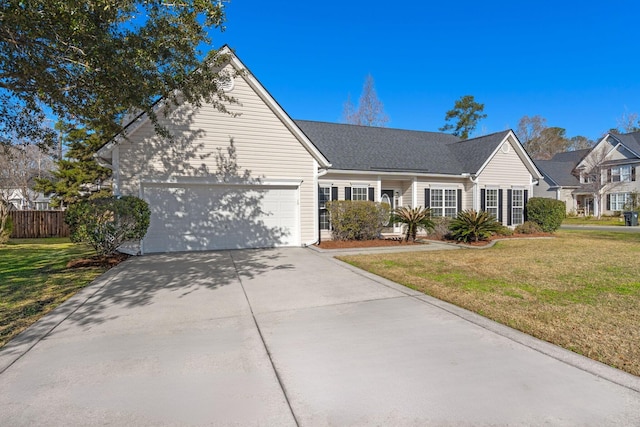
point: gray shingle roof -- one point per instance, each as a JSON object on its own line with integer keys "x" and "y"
{"x": 559, "y": 171}
{"x": 571, "y": 156}
{"x": 352, "y": 147}
{"x": 630, "y": 140}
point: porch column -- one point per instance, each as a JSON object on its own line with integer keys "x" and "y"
{"x": 414, "y": 192}
{"x": 378, "y": 189}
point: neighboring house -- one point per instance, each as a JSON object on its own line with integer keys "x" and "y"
{"x": 614, "y": 160}
{"x": 561, "y": 183}
{"x": 36, "y": 201}
{"x": 599, "y": 181}
{"x": 260, "y": 179}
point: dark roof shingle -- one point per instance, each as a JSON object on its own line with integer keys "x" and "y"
{"x": 353, "y": 147}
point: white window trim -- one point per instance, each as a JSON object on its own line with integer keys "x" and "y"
{"x": 360, "y": 187}
{"x": 486, "y": 200}
{"x": 444, "y": 207}
{"x": 514, "y": 207}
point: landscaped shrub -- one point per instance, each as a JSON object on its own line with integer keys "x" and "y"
{"x": 504, "y": 231}
{"x": 413, "y": 219}
{"x": 470, "y": 225}
{"x": 440, "y": 228}
{"x": 5, "y": 231}
{"x": 528, "y": 227}
{"x": 107, "y": 223}
{"x": 357, "y": 220}
{"x": 547, "y": 213}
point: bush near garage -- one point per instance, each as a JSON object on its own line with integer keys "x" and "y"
{"x": 547, "y": 213}
{"x": 357, "y": 219}
{"x": 107, "y": 223}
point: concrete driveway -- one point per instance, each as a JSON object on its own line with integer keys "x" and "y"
{"x": 289, "y": 337}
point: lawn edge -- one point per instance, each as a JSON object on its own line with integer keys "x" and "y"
{"x": 578, "y": 361}
{"x": 22, "y": 343}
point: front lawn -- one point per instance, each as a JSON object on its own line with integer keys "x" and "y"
{"x": 580, "y": 290}
{"x": 34, "y": 279}
{"x": 605, "y": 220}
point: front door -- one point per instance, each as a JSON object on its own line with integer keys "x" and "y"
{"x": 388, "y": 196}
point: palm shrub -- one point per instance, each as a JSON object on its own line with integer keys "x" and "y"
{"x": 471, "y": 225}
{"x": 412, "y": 220}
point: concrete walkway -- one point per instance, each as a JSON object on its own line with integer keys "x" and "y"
{"x": 289, "y": 337}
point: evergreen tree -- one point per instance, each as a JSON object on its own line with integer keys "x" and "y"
{"x": 467, "y": 113}
{"x": 78, "y": 175}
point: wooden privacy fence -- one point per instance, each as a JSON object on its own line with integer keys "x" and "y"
{"x": 38, "y": 224}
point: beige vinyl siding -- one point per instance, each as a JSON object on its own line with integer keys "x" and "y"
{"x": 264, "y": 146}
{"x": 457, "y": 183}
{"x": 505, "y": 169}
{"x": 343, "y": 181}
{"x": 621, "y": 154}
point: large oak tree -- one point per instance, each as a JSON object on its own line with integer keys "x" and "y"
{"x": 90, "y": 62}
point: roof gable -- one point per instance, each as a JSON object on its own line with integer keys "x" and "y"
{"x": 136, "y": 122}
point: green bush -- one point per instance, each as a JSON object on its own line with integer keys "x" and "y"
{"x": 547, "y": 213}
{"x": 5, "y": 231}
{"x": 107, "y": 223}
{"x": 504, "y": 231}
{"x": 471, "y": 225}
{"x": 357, "y": 220}
{"x": 413, "y": 219}
{"x": 528, "y": 227}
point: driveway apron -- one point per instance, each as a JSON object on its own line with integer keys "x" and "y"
{"x": 289, "y": 337}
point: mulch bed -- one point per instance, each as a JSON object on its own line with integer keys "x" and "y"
{"x": 96, "y": 261}
{"x": 397, "y": 241}
{"x": 348, "y": 244}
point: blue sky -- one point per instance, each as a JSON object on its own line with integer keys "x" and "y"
{"x": 576, "y": 63}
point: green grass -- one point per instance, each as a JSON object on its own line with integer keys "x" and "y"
{"x": 580, "y": 290}
{"x": 34, "y": 279}
{"x": 605, "y": 220}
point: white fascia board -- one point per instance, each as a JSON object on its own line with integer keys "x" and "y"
{"x": 210, "y": 181}
{"x": 515, "y": 143}
{"x": 277, "y": 109}
{"x": 406, "y": 175}
{"x": 604, "y": 140}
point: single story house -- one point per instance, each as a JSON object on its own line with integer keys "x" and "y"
{"x": 257, "y": 178}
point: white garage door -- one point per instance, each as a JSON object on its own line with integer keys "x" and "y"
{"x": 208, "y": 217}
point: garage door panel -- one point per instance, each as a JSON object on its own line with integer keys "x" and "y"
{"x": 199, "y": 217}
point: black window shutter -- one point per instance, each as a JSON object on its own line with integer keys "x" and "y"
{"x": 372, "y": 194}
{"x": 459, "y": 200}
{"x": 427, "y": 198}
{"x": 609, "y": 175}
{"x": 500, "y": 205}
{"x": 347, "y": 193}
{"x": 334, "y": 193}
{"x": 633, "y": 173}
{"x": 483, "y": 203}
{"x": 608, "y": 202}
{"x": 526, "y": 198}
{"x": 509, "y": 195}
